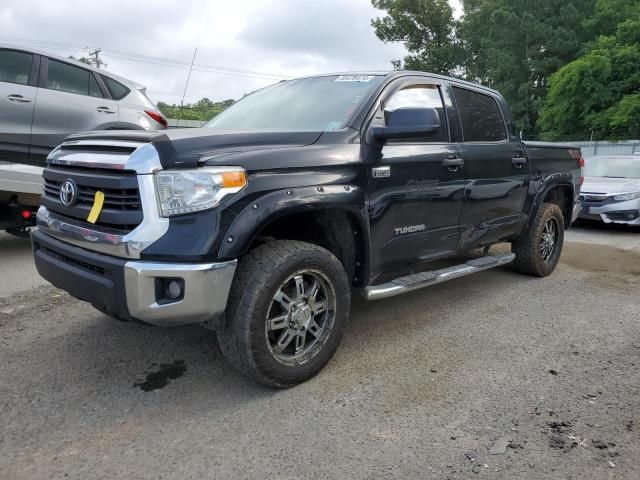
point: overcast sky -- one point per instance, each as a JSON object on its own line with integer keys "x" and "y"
{"x": 256, "y": 42}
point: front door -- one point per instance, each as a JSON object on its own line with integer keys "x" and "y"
{"x": 414, "y": 198}
{"x": 17, "y": 99}
{"x": 497, "y": 171}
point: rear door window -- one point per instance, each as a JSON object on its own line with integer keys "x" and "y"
{"x": 15, "y": 67}
{"x": 480, "y": 116}
{"x": 117, "y": 90}
{"x": 67, "y": 78}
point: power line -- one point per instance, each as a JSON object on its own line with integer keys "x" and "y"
{"x": 198, "y": 68}
{"x": 161, "y": 61}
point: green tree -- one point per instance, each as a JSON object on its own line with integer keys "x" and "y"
{"x": 514, "y": 46}
{"x": 427, "y": 29}
{"x": 609, "y": 14}
{"x": 599, "y": 93}
{"x": 203, "y": 110}
{"x": 511, "y": 45}
{"x": 84, "y": 60}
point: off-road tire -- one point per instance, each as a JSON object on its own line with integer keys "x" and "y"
{"x": 259, "y": 275}
{"x": 529, "y": 258}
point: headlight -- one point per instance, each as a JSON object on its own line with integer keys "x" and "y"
{"x": 627, "y": 196}
{"x": 186, "y": 191}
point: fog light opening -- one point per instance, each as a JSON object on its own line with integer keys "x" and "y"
{"x": 169, "y": 290}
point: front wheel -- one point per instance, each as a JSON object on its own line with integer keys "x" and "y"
{"x": 539, "y": 252}
{"x": 287, "y": 310}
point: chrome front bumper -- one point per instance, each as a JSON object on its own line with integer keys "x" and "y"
{"x": 130, "y": 289}
{"x": 206, "y": 289}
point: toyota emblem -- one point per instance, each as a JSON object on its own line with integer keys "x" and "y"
{"x": 68, "y": 193}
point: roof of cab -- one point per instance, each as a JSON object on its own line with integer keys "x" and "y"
{"x": 393, "y": 74}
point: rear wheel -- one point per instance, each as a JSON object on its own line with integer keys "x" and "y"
{"x": 539, "y": 252}
{"x": 288, "y": 307}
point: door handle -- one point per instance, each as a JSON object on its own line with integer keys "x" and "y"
{"x": 453, "y": 163}
{"x": 518, "y": 162}
{"x": 105, "y": 110}
{"x": 18, "y": 99}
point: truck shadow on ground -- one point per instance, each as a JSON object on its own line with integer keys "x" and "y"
{"x": 131, "y": 360}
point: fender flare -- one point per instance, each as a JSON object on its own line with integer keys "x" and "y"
{"x": 547, "y": 184}
{"x": 274, "y": 205}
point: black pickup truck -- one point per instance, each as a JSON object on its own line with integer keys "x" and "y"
{"x": 260, "y": 224}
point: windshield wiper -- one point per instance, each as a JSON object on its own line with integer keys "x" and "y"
{"x": 611, "y": 176}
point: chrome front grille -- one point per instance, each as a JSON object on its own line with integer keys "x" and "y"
{"x": 122, "y": 209}
{"x": 119, "y": 199}
{"x": 121, "y": 169}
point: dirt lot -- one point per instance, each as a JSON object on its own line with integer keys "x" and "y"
{"x": 496, "y": 375}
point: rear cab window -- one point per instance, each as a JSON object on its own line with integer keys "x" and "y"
{"x": 15, "y": 67}
{"x": 480, "y": 116}
{"x": 117, "y": 90}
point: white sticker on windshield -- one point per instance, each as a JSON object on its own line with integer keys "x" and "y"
{"x": 355, "y": 78}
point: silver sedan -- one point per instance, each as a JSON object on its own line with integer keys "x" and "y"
{"x": 611, "y": 189}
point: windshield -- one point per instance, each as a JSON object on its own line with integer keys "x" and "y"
{"x": 312, "y": 104}
{"x": 623, "y": 167}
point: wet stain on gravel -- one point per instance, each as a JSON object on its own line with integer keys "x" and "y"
{"x": 601, "y": 258}
{"x": 610, "y": 267}
{"x": 160, "y": 379}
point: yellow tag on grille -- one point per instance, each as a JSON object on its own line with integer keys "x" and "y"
{"x": 98, "y": 202}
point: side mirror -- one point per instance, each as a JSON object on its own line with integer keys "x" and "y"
{"x": 407, "y": 123}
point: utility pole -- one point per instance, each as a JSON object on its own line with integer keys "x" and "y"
{"x": 96, "y": 58}
{"x": 187, "y": 84}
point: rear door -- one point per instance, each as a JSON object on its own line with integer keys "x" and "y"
{"x": 497, "y": 171}
{"x": 71, "y": 99}
{"x": 18, "y": 91}
{"x": 414, "y": 199}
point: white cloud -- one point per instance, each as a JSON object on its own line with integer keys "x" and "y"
{"x": 284, "y": 37}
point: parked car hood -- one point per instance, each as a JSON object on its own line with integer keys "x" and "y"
{"x": 610, "y": 186}
{"x": 185, "y": 148}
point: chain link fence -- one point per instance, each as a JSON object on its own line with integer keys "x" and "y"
{"x": 593, "y": 149}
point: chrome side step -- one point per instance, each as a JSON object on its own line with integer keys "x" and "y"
{"x": 425, "y": 279}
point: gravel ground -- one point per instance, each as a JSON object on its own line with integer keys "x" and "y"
{"x": 17, "y": 271}
{"x": 496, "y": 375}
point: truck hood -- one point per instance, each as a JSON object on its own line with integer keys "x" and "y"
{"x": 185, "y": 148}
{"x": 610, "y": 186}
